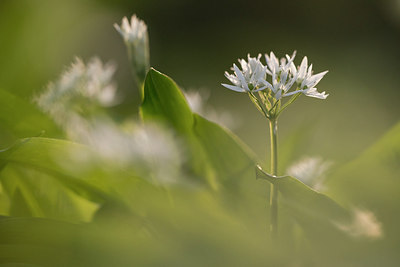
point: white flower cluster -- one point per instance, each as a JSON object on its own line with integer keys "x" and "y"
{"x": 283, "y": 76}
{"x": 152, "y": 151}
{"x": 136, "y": 40}
{"x": 92, "y": 81}
{"x": 81, "y": 90}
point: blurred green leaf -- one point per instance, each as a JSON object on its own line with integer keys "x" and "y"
{"x": 19, "y": 119}
{"x": 371, "y": 182}
{"x": 229, "y": 157}
{"x": 38, "y": 241}
{"x": 317, "y": 214}
{"x": 214, "y": 152}
{"x": 48, "y": 173}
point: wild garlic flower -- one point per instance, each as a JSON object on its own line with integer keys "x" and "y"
{"x": 277, "y": 79}
{"x": 250, "y": 78}
{"x": 311, "y": 171}
{"x": 282, "y": 79}
{"x": 136, "y": 39}
{"x": 92, "y": 81}
{"x": 134, "y": 32}
{"x": 80, "y": 91}
{"x": 152, "y": 151}
{"x": 306, "y": 81}
{"x": 282, "y": 73}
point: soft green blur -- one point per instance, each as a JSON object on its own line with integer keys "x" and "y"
{"x": 194, "y": 42}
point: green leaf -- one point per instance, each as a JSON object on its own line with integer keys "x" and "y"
{"x": 228, "y": 156}
{"x": 54, "y": 177}
{"x": 164, "y": 101}
{"x": 38, "y": 241}
{"x": 19, "y": 118}
{"x": 316, "y": 213}
{"x": 372, "y": 178}
{"x": 214, "y": 153}
{"x": 371, "y": 182}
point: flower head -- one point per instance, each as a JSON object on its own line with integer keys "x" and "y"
{"x": 137, "y": 42}
{"x": 277, "y": 79}
{"x": 80, "y": 92}
{"x": 250, "y": 78}
{"x": 92, "y": 81}
{"x": 134, "y": 32}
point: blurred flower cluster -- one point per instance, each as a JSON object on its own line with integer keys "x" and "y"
{"x": 311, "y": 171}
{"x": 197, "y": 100}
{"x": 79, "y": 95}
{"x": 77, "y": 102}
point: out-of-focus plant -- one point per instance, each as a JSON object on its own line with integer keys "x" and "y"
{"x": 136, "y": 40}
{"x": 76, "y": 99}
{"x": 197, "y": 101}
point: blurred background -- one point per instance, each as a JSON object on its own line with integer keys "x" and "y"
{"x": 194, "y": 42}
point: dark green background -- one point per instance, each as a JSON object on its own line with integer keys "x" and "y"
{"x": 194, "y": 42}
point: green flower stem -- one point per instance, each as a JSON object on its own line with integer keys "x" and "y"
{"x": 273, "y": 202}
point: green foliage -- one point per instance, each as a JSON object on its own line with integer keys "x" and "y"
{"x": 207, "y": 142}
{"x": 96, "y": 213}
{"x": 19, "y": 119}
{"x": 371, "y": 182}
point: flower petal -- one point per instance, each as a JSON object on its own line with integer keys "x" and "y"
{"x": 234, "y": 88}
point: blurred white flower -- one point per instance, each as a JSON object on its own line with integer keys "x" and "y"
{"x": 311, "y": 171}
{"x": 133, "y": 32}
{"x": 197, "y": 101}
{"x": 79, "y": 92}
{"x": 250, "y": 78}
{"x": 363, "y": 224}
{"x": 93, "y": 82}
{"x": 136, "y": 40}
{"x": 151, "y": 151}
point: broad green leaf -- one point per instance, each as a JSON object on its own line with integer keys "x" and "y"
{"x": 372, "y": 178}
{"x": 163, "y": 100}
{"x": 48, "y": 173}
{"x": 34, "y": 193}
{"x": 316, "y": 213}
{"x": 230, "y": 158}
{"x": 19, "y": 119}
{"x": 214, "y": 152}
{"x": 371, "y": 183}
